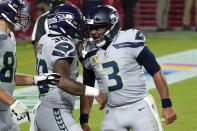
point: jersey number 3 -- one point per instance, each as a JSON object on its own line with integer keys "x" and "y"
{"x": 113, "y": 76}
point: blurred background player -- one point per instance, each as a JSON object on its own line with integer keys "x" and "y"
{"x": 187, "y": 14}
{"x": 41, "y": 26}
{"x": 13, "y": 17}
{"x": 57, "y": 53}
{"x": 128, "y": 10}
{"x": 117, "y": 67}
{"x": 163, "y": 7}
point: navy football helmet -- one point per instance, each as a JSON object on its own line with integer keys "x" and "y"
{"x": 106, "y": 16}
{"x": 15, "y": 12}
{"x": 67, "y": 20}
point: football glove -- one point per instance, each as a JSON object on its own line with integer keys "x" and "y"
{"x": 47, "y": 78}
{"x": 20, "y": 110}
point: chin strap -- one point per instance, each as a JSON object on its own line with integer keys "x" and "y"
{"x": 85, "y": 46}
{"x": 101, "y": 44}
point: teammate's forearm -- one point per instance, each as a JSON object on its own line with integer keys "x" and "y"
{"x": 6, "y": 98}
{"x": 86, "y": 104}
{"x": 22, "y": 80}
{"x": 71, "y": 86}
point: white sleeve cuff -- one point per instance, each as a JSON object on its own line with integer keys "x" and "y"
{"x": 91, "y": 91}
{"x": 13, "y": 105}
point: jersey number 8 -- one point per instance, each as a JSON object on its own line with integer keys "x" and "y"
{"x": 7, "y": 72}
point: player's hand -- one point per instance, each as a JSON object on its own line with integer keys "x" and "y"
{"x": 86, "y": 126}
{"x": 20, "y": 110}
{"x": 169, "y": 115}
{"x": 47, "y": 78}
{"x": 102, "y": 100}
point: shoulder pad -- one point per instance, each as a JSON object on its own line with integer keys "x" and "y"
{"x": 139, "y": 36}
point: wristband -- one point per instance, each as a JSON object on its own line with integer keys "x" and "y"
{"x": 91, "y": 91}
{"x": 84, "y": 118}
{"x": 35, "y": 80}
{"x": 166, "y": 103}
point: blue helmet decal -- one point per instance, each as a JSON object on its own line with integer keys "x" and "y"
{"x": 67, "y": 20}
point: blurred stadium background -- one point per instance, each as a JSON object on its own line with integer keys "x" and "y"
{"x": 144, "y": 15}
{"x": 183, "y": 93}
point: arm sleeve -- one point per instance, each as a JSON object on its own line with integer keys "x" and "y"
{"x": 147, "y": 59}
{"x": 39, "y": 29}
{"x": 88, "y": 77}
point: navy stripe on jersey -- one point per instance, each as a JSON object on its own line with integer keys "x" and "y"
{"x": 58, "y": 53}
{"x": 3, "y": 37}
{"x": 147, "y": 59}
{"x": 59, "y": 120}
{"x": 129, "y": 44}
{"x": 88, "y": 55}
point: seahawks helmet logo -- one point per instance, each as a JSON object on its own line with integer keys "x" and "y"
{"x": 113, "y": 17}
{"x": 60, "y": 17}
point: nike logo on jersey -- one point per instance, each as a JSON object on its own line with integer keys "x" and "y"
{"x": 65, "y": 46}
{"x": 141, "y": 109}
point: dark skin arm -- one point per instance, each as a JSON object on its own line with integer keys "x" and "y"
{"x": 168, "y": 113}
{"x": 85, "y": 108}
{"x": 87, "y": 101}
{"x": 66, "y": 83}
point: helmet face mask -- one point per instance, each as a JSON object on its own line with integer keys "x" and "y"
{"x": 25, "y": 16}
{"x": 15, "y": 12}
{"x": 104, "y": 16}
{"x": 66, "y": 20}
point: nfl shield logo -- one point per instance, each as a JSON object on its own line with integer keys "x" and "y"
{"x": 105, "y": 54}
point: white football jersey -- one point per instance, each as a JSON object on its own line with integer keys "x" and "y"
{"x": 7, "y": 64}
{"x": 51, "y": 49}
{"x": 116, "y": 69}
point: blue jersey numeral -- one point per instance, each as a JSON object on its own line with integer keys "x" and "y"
{"x": 42, "y": 67}
{"x": 114, "y": 75}
{"x": 7, "y": 72}
{"x": 64, "y": 47}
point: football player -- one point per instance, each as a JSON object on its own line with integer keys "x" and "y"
{"x": 57, "y": 53}
{"x": 117, "y": 64}
{"x": 41, "y": 26}
{"x": 13, "y": 17}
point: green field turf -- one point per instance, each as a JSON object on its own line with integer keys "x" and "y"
{"x": 183, "y": 93}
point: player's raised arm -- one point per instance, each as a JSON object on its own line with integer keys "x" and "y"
{"x": 147, "y": 59}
